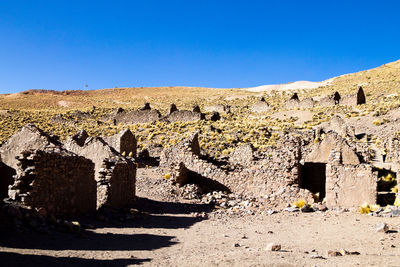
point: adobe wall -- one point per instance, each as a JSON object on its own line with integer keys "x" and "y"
{"x": 349, "y": 186}
{"x": 59, "y": 181}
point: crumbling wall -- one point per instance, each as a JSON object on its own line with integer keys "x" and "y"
{"x": 332, "y": 141}
{"x": 184, "y": 115}
{"x": 276, "y": 178}
{"x": 115, "y": 184}
{"x": 349, "y": 186}
{"x": 137, "y": 116}
{"x": 59, "y": 181}
{"x": 331, "y": 100}
{"x": 220, "y": 108}
{"x": 123, "y": 142}
{"x": 29, "y": 137}
{"x": 116, "y": 188}
{"x": 260, "y": 106}
{"x": 355, "y": 99}
{"x": 393, "y": 154}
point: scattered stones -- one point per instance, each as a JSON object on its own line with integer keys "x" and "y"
{"x": 333, "y": 253}
{"x": 273, "y": 247}
{"x": 314, "y": 256}
{"x": 382, "y": 228}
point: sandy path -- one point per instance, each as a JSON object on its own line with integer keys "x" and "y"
{"x": 184, "y": 240}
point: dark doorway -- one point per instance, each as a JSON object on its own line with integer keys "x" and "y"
{"x": 387, "y": 181}
{"x": 313, "y": 178}
{"x": 6, "y": 179}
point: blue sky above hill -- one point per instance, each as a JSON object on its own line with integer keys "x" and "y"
{"x": 65, "y": 45}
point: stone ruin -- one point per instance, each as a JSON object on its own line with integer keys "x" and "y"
{"x": 143, "y": 115}
{"x": 260, "y": 106}
{"x": 220, "y": 108}
{"x": 349, "y": 185}
{"x": 331, "y": 169}
{"x": 295, "y": 102}
{"x": 115, "y": 175}
{"x": 276, "y": 179}
{"x": 355, "y": 99}
{"x": 123, "y": 142}
{"x": 336, "y": 124}
{"x": 56, "y": 180}
{"x": 184, "y": 115}
{"x": 331, "y": 100}
{"x": 71, "y": 178}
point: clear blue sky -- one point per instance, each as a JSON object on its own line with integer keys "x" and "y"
{"x": 64, "y": 45}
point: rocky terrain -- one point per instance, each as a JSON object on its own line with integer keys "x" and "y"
{"x": 198, "y": 176}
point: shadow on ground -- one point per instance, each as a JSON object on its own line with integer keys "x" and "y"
{"x": 159, "y": 207}
{"x": 151, "y": 214}
{"x": 15, "y": 259}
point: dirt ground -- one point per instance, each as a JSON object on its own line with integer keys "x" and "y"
{"x": 184, "y": 233}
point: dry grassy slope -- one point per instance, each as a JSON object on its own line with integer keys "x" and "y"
{"x": 41, "y": 107}
{"x": 379, "y": 81}
{"x": 125, "y": 97}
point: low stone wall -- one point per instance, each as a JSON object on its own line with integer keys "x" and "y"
{"x": 59, "y": 181}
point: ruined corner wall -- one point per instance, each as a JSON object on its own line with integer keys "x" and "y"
{"x": 276, "y": 178}
{"x": 349, "y": 186}
{"x": 115, "y": 175}
{"x": 116, "y": 183}
{"x": 59, "y": 181}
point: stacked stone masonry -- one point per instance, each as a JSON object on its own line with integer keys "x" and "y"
{"x": 59, "y": 181}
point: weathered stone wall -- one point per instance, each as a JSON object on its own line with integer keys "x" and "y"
{"x": 59, "y": 181}
{"x": 393, "y": 154}
{"x": 276, "y": 178}
{"x": 115, "y": 175}
{"x": 332, "y": 141}
{"x": 260, "y": 107}
{"x": 123, "y": 142}
{"x": 29, "y": 137}
{"x": 116, "y": 183}
{"x": 137, "y": 116}
{"x": 349, "y": 186}
{"x": 184, "y": 115}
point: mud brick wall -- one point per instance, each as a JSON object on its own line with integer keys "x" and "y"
{"x": 116, "y": 183}
{"x": 349, "y": 186}
{"x": 59, "y": 181}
